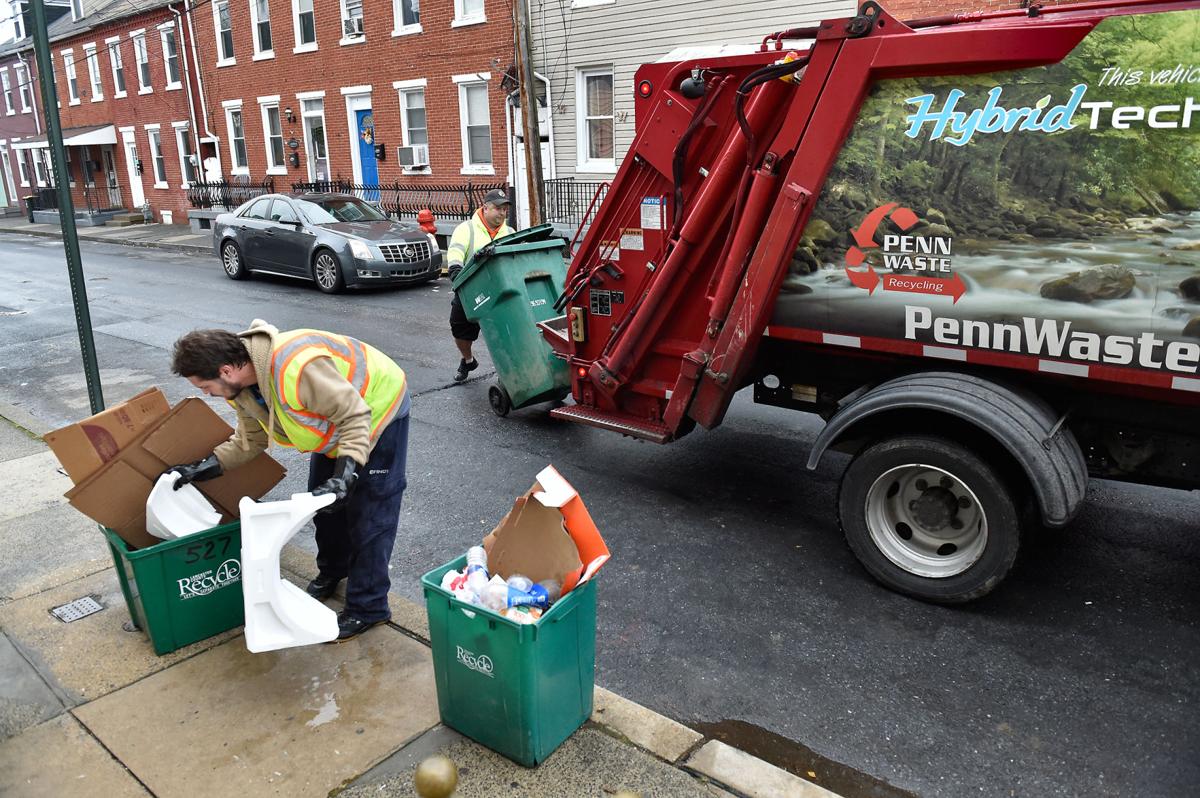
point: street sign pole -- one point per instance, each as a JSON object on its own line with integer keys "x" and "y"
{"x": 66, "y": 208}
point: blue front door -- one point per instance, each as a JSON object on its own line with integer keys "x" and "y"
{"x": 366, "y": 152}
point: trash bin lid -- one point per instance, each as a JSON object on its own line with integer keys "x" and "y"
{"x": 529, "y": 240}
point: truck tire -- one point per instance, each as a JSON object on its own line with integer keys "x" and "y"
{"x": 929, "y": 518}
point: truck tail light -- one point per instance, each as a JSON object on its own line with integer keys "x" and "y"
{"x": 645, "y": 89}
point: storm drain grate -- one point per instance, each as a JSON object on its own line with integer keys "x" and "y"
{"x": 79, "y": 608}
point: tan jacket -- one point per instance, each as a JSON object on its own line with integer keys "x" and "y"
{"x": 323, "y": 390}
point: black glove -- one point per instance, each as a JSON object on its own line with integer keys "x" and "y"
{"x": 341, "y": 484}
{"x": 208, "y": 468}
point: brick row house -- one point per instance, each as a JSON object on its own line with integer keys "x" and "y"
{"x": 156, "y": 96}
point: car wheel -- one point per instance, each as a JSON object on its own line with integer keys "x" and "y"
{"x": 929, "y": 518}
{"x": 232, "y": 262}
{"x": 327, "y": 272}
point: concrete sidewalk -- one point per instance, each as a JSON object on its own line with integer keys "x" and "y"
{"x": 87, "y": 709}
{"x": 175, "y": 237}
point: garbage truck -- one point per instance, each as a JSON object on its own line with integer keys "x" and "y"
{"x": 969, "y": 243}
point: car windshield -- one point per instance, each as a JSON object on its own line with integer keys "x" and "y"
{"x": 340, "y": 209}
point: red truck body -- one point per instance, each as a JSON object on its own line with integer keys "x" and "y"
{"x": 772, "y": 225}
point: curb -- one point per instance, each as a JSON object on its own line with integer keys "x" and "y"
{"x": 192, "y": 249}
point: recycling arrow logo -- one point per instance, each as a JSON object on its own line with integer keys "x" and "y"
{"x": 864, "y": 239}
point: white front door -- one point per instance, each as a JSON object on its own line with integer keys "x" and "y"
{"x": 6, "y": 165}
{"x": 137, "y": 196}
{"x": 518, "y": 153}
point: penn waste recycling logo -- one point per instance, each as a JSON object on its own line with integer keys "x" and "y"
{"x": 912, "y": 261}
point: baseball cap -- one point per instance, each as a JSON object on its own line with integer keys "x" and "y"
{"x": 497, "y": 196}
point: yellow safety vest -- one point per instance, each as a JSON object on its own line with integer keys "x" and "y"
{"x": 462, "y": 242}
{"x": 379, "y": 381}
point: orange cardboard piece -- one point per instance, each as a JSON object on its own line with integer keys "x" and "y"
{"x": 548, "y": 534}
{"x": 115, "y": 496}
{"x": 86, "y": 446}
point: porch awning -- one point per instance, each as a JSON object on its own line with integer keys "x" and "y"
{"x": 73, "y": 137}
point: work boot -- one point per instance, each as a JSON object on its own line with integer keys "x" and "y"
{"x": 465, "y": 368}
{"x": 350, "y": 627}
{"x": 323, "y": 587}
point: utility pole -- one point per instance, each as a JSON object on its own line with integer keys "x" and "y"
{"x": 529, "y": 114}
{"x": 66, "y": 208}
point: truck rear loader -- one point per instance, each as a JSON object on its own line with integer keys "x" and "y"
{"x": 970, "y": 243}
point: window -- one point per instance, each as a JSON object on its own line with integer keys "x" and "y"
{"x": 18, "y": 24}
{"x": 273, "y": 135}
{"x": 413, "y": 123}
{"x": 281, "y": 211}
{"x": 72, "y": 78}
{"x": 476, "y": 124}
{"x": 93, "y": 65}
{"x": 142, "y": 57}
{"x": 305, "y": 20}
{"x": 76, "y": 10}
{"x": 260, "y": 20}
{"x": 594, "y": 118}
{"x": 237, "y": 138}
{"x": 8, "y": 95}
{"x": 39, "y": 167}
{"x": 352, "y": 22}
{"x": 22, "y": 167}
{"x": 224, "y": 26}
{"x": 468, "y": 12}
{"x": 118, "y": 66}
{"x": 89, "y": 179}
{"x": 187, "y": 161}
{"x": 339, "y": 209}
{"x": 170, "y": 56}
{"x": 22, "y": 75}
{"x": 259, "y": 209}
{"x": 156, "y": 156}
{"x": 407, "y": 14}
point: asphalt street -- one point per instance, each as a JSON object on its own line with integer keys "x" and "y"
{"x": 731, "y": 598}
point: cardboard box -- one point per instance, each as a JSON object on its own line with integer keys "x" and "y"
{"x": 115, "y": 494}
{"x": 84, "y": 447}
{"x": 548, "y": 534}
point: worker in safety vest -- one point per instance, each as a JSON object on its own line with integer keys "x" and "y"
{"x": 338, "y": 398}
{"x": 485, "y": 224}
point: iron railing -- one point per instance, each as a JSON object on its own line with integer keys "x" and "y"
{"x": 227, "y": 194}
{"x": 106, "y": 197}
{"x": 568, "y": 200}
{"x": 447, "y": 201}
{"x": 45, "y": 198}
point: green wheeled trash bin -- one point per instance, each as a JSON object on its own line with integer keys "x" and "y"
{"x": 507, "y": 288}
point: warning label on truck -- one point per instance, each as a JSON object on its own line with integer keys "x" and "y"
{"x": 652, "y": 213}
{"x": 631, "y": 239}
{"x": 1050, "y": 212}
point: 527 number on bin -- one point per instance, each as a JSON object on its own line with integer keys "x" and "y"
{"x": 208, "y": 549}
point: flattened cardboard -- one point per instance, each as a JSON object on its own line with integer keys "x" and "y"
{"x": 86, "y": 446}
{"x": 116, "y": 495}
{"x": 548, "y": 534}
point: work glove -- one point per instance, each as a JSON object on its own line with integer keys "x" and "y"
{"x": 208, "y": 468}
{"x": 341, "y": 484}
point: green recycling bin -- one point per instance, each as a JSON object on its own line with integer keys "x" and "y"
{"x": 181, "y": 591}
{"x": 507, "y": 288}
{"x": 519, "y": 689}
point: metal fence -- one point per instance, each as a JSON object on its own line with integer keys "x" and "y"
{"x": 95, "y": 199}
{"x": 568, "y": 199}
{"x": 227, "y": 194}
{"x": 447, "y": 201}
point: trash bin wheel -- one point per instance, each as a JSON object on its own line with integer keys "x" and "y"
{"x": 499, "y": 399}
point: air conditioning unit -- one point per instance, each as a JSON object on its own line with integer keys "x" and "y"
{"x": 353, "y": 26}
{"x": 415, "y": 156}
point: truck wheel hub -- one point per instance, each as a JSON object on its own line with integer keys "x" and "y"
{"x": 935, "y": 508}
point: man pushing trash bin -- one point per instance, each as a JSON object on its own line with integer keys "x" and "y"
{"x": 347, "y": 404}
{"x": 484, "y": 226}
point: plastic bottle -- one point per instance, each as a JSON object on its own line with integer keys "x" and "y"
{"x": 522, "y": 583}
{"x": 495, "y": 594}
{"x": 477, "y": 572}
{"x": 536, "y": 596}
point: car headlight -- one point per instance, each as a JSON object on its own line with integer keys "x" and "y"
{"x": 360, "y": 250}
{"x": 433, "y": 244}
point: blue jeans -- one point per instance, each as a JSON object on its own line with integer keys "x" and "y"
{"x": 355, "y": 540}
